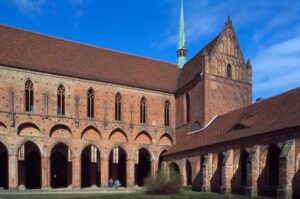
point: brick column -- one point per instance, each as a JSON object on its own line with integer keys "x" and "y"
{"x": 12, "y": 171}
{"x": 104, "y": 171}
{"x": 130, "y": 172}
{"x": 154, "y": 167}
{"x": 76, "y": 173}
{"x": 252, "y": 172}
{"x": 206, "y": 173}
{"x": 227, "y": 172}
{"x": 45, "y": 172}
{"x": 182, "y": 167}
{"x": 286, "y": 170}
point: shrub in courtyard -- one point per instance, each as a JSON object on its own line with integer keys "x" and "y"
{"x": 163, "y": 183}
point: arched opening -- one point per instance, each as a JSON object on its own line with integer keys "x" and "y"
{"x": 90, "y": 103}
{"x": 143, "y": 110}
{"x": 165, "y": 140}
{"x": 229, "y": 71}
{"x": 167, "y": 113}
{"x": 188, "y": 171}
{"x": 29, "y": 96}
{"x": 3, "y": 166}
{"x": 216, "y": 181}
{"x": 117, "y": 165}
{"x": 143, "y": 138}
{"x": 61, "y": 100}
{"x": 272, "y": 164}
{"x": 29, "y": 166}
{"x": 90, "y": 167}
{"x": 142, "y": 167}
{"x": 173, "y": 167}
{"x": 243, "y": 167}
{"x": 161, "y": 159}
{"x": 61, "y": 166}
{"x": 118, "y": 110}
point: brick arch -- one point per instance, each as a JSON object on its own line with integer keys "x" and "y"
{"x": 3, "y": 128}
{"x": 60, "y": 131}
{"x": 91, "y": 133}
{"x": 29, "y": 129}
{"x": 60, "y": 142}
{"x": 165, "y": 140}
{"x": 174, "y": 166}
{"x": 143, "y": 138}
{"x": 91, "y": 144}
{"x": 2, "y": 142}
{"x": 118, "y": 145}
{"x": 35, "y": 142}
{"x": 147, "y": 149}
{"x": 118, "y": 135}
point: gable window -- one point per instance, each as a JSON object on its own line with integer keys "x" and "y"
{"x": 143, "y": 110}
{"x": 61, "y": 100}
{"x": 90, "y": 103}
{"x": 167, "y": 113}
{"x": 28, "y": 96}
{"x": 187, "y": 107}
{"x": 229, "y": 71}
{"x": 118, "y": 107}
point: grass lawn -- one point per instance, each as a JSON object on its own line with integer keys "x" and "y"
{"x": 137, "y": 195}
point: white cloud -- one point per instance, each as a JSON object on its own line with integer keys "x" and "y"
{"x": 30, "y": 7}
{"x": 277, "y": 68}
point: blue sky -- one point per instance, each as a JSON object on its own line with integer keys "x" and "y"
{"x": 268, "y": 30}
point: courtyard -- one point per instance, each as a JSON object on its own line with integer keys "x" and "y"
{"x": 136, "y": 195}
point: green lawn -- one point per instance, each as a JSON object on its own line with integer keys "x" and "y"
{"x": 137, "y": 195}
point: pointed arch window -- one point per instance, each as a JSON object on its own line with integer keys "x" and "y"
{"x": 229, "y": 71}
{"x": 28, "y": 96}
{"x": 118, "y": 99}
{"x": 61, "y": 100}
{"x": 143, "y": 110}
{"x": 187, "y": 107}
{"x": 167, "y": 113}
{"x": 90, "y": 103}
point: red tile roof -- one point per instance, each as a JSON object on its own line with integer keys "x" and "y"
{"x": 276, "y": 113}
{"x": 26, "y": 50}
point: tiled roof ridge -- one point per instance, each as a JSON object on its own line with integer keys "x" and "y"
{"x": 86, "y": 44}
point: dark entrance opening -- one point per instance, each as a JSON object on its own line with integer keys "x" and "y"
{"x": 216, "y": 181}
{"x": 243, "y": 166}
{"x": 160, "y": 159}
{"x": 29, "y": 166}
{"x": 117, "y": 165}
{"x": 61, "y": 166}
{"x": 90, "y": 167}
{"x": 273, "y": 169}
{"x": 188, "y": 170}
{"x": 3, "y": 167}
{"x": 143, "y": 167}
{"x": 174, "y": 168}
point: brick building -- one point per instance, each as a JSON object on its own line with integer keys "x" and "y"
{"x": 73, "y": 115}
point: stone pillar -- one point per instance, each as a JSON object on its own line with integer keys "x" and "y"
{"x": 12, "y": 171}
{"x": 45, "y": 172}
{"x": 154, "y": 167}
{"x": 227, "y": 172}
{"x": 206, "y": 173}
{"x": 104, "y": 171}
{"x": 182, "y": 166}
{"x": 252, "y": 172}
{"x": 76, "y": 172}
{"x": 130, "y": 172}
{"x": 286, "y": 170}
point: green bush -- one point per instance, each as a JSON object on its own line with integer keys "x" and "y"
{"x": 163, "y": 183}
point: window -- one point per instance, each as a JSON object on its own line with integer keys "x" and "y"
{"x": 187, "y": 107}
{"x": 61, "y": 100}
{"x": 167, "y": 113}
{"x": 229, "y": 71}
{"x": 90, "y": 103}
{"x": 29, "y": 96}
{"x": 143, "y": 110}
{"x": 118, "y": 107}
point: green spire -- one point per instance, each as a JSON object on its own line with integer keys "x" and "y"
{"x": 181, "y": 48}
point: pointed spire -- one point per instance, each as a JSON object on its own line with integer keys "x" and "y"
{"x": 181, "y": 47}
{"x": 248, "y": 64}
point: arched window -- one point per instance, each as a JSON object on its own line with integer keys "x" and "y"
{"x": 29, "y": 96}
{"x": 229, "y": 71}
{"x": 167, "y": 113}
{"x": 90, "y": 103}
{"x": 118, "y": 107}
{"x": 143, "y": 110}
{"x": 187, "y": 106}
{"x": 61, "y": 100}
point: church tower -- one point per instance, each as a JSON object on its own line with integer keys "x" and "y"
{"x": 181, "y": 47}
